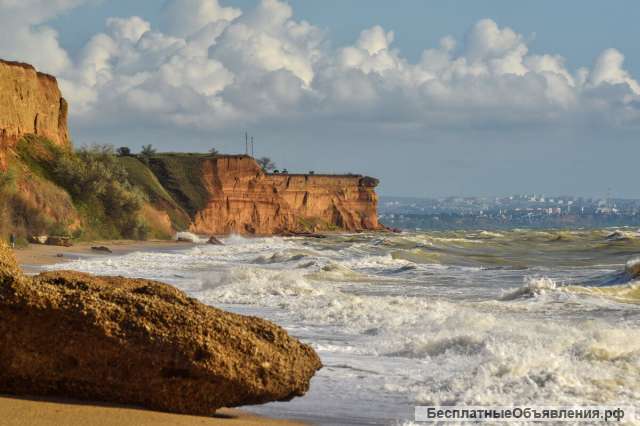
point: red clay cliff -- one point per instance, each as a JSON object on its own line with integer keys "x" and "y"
{"x": 243, "y": 199}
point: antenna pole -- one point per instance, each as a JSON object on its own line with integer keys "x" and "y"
{"x": 252, "y": 146}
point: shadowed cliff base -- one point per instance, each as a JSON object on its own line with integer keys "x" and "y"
{"x": 139, "y": 342}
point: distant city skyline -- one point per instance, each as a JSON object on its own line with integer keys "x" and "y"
{"x": 515, "y": 211}
{"x": 434, "y": 98}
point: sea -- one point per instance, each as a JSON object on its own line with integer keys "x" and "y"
{"x": 478, "y": 318}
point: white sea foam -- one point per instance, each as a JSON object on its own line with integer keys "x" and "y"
{"x": 188, "y": 236}
{"x": 423, "y": 335}
{"x": 632, "y": 267}
{"x": 491, "y": 234}
{"x": 534, "y": 286}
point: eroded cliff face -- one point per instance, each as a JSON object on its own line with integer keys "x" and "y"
{"x": 30, "y": 103}
{"x": 243, "y": 199}
{"x": 201, "y": 193}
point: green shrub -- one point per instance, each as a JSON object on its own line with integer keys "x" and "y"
{"x": 7, "y": 181}
{"x": 96, "y": 181}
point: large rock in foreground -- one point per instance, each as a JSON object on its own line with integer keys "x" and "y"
{"x": 139, "y": 342}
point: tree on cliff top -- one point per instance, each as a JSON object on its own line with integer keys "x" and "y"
{"x": 146, "y": 153}
{"x": 148, "y": 150}
{"x": 123, "y": 151}
{"x": 266, "y": 164}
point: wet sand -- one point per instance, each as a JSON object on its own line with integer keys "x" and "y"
{"x": 35, "y": 255}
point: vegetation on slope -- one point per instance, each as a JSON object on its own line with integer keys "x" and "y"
{"x": 182, "y": 178}
{"x": 101, "y": 193}
{"x": 32, "y": 205}
{"x": 98, "y": 193}
{"x": 142, "y": 177}
{"x": 96, "y": 182}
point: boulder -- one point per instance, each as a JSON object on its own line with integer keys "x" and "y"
{"x": 102, "y": 249}
{"x": 59, "y": 241}
{"x": 214, "y": 241}
{"x": 188, "y": 237}
{"x": 139, "y": 342}
{"x": 37, "y": 239}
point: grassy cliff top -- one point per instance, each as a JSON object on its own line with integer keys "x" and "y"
{"x": 181, "y": 176}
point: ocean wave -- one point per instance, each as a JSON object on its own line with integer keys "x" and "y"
{"x": 280, "y": 257}
{"x": 627, "y": 293}
{"x": 533, "y": 287}
{"x": 489, "y": 234}
{"x": 405, "y": 268}
{"x": 418, "y": 255}
{"x": 621, "y": 236}
{"x": 373, "y": 262}
{"x": 248, "y": 285}
{"x": 313, "y": 301}
{"x": 334, "y": 271}
{"x": 619, "y": 286}
{"x": 632, "y": 267}
{"x": 630, "y": 274}
{"x": 461, "y": 345}
{"x": 190, "y": 237}
{"x": 431, "y": 348}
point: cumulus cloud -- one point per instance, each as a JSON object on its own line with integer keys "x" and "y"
{"x": 35, "y": 11}
{"x": 211, "y": 67}
{"x": 24, "y": 37}
{"x": 182, "y": 18}
{"x": 609, "y": 69}
{"x": 268, "y": 40}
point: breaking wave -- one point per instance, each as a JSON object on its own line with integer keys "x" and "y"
{"x": 533, "y": 287}
{"x": 425, "y": 318}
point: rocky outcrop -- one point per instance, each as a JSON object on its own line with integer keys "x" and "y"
{"x": 30, "y": 103}
{"x": 235, "y": 196}
{"x": 139, "y": 342}
{"x": 243, "y": 199}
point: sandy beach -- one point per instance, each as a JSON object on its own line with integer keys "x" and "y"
{"x": 16, "y": 411}
{"x": 34, "y": 255}
{"x": 23, "y": 411}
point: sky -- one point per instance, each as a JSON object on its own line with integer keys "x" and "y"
{"x": 435, "y": 98}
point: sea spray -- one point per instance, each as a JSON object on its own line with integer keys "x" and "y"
{"x": 533, "y": 286}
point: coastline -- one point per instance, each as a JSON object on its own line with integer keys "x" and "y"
{"x": 34, "y": 255}
{"x": 37, "y": 411}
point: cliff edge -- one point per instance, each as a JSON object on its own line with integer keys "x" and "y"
{"x": 30, "y": 103}
{"x": 231, "y": 194}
